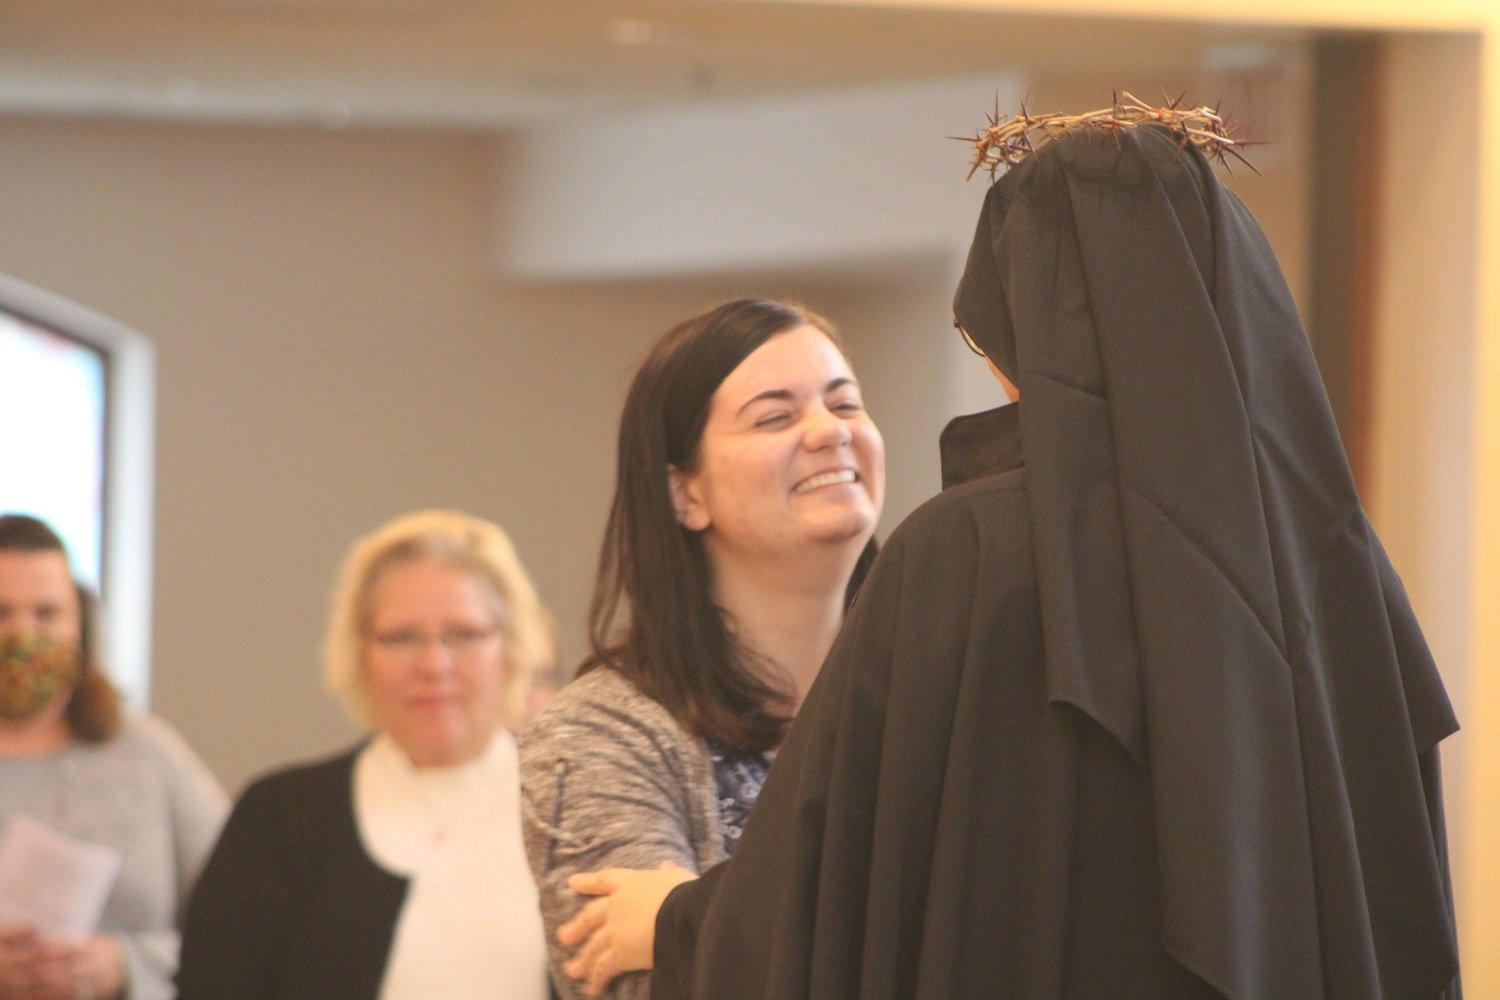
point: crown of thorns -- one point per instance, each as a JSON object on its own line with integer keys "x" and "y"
{"x": 1006, "y": 141}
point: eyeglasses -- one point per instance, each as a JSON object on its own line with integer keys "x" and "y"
{"x": 408, "y": 645}
{"x": 968, "y": 340}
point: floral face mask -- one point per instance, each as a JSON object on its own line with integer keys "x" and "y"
{"x": 33, "y": 671}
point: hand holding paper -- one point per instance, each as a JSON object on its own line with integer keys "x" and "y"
{"x": 52, "y": 882}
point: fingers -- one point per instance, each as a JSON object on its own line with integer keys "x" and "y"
{"x": 577, "y": 967}
{"x": 599, "y": 978}
{"x": 613, "y": 933}
{"x": 584, "y": 923}
{"x": 19, "y": 936}
{"x": 599, "y": 965}
{"x": 600, "y": 883}
{"x": 20, "y": 954}
{"x": 100, "y": 966}
{"x": 587, "y": 966}
{"x": 595, "y": 964}
{"x": 47, "y": 973}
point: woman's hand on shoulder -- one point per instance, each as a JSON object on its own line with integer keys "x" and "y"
{"x": 615, "y": 932}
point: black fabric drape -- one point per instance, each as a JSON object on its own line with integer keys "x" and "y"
{"x": 1150, "y": 716}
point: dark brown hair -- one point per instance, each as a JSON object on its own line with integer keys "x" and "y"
{"x": 676, "y": 647}
{"x": 93, "y": 712}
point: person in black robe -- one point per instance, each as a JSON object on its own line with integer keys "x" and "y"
{"x": 1137, "y": 707}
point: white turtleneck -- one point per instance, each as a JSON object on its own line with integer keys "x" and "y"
{"x": 471, "y": 928}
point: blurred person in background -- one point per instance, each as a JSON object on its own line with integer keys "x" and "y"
{"x": 394, "y": 869}
{"x": 72, "y": 760}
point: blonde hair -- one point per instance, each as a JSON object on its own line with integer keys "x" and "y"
{"x": 455, "y": 539}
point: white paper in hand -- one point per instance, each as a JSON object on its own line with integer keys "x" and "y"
{"x": 53, "y": 882}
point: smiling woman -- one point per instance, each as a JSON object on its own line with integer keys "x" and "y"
{"x": 749, "y": 481}
{"x": 788, "y": 456}
{"x": 394, "y": 869}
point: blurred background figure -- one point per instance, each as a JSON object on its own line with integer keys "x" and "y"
{"x": 394, "y": 869}
{"x": 74, "y": 762}
{"x": 749, "y": 481}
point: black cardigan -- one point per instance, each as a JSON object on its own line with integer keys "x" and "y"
{"x": 290, "y": 906}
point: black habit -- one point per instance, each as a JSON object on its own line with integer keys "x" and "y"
{"x": 1142, "y": 711}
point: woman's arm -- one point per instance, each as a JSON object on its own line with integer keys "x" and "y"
{"x": 609, "y": 781}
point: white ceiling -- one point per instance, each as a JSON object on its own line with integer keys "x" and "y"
{"x": 502, "y": 63}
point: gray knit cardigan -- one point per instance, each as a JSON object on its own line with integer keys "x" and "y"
{"x": 609, "y": 779}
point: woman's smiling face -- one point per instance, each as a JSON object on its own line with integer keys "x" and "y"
{"x": 789, "y": 457}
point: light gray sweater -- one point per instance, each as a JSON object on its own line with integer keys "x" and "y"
{"x": 610, "y": 779}
{"x": 147, "y": 794}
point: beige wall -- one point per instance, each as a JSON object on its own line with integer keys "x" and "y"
{"x": 1421, "y": 460}
{"x": 333, "y": 350}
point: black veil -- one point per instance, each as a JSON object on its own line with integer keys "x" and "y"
{"x": 1143, "y": 712}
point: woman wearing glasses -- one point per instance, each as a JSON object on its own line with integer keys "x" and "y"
{"x": 394, "y": 869}
{"x": 749, "y": 481}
